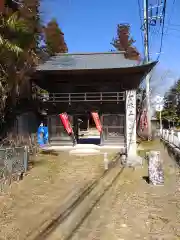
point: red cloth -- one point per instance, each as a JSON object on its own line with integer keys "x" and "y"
{"x": 66, "y": 123}
{"x": 2, "y": 5}
{"x": 97, "y": 121}
{"x": 143, "y": 121}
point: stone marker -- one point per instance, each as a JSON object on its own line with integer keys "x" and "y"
{"x": 106, "y": 161}
{"x": 155, "y": 168}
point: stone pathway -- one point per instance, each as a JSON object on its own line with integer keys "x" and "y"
{"x": 132, "y": 209}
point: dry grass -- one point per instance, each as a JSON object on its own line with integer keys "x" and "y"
{"x": 33, "y": 200}
{"x": 133, "y": 209}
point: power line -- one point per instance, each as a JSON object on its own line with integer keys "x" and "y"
{"x": 162, "y": 34}
{"x": 175, "y": 25}
{"x": 141, "y": 21}
{"x": 172, "y": 10}
{"x": 155, "y": 22}
{"x": 173, "y": 29}
{"x": 163, "y": 26}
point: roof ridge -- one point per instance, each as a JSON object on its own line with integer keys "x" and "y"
{"x": 90, "y": 53}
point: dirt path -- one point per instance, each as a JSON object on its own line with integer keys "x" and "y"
{"x": 132, "y": 209}
{"x": 30, "y": 202}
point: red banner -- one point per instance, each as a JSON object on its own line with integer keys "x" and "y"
{"x": 66, "y": 123}
{"x": 143, "y": 121}
{"x": 96, "y": 119}
{"x": 2, "y": 6}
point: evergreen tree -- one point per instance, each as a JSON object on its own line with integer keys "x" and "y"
{"x": 171, "y": 110}
{"x": 19, "y": 42}
{"x": 54, "y": 39}
{"x": 123, "y": 42}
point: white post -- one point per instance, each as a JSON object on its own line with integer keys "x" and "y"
{"x": 106, "y": 161}
{"x": 166, "y": 135}
{"x": 160, "y": 120}
{"x": 163, "y": 133}
{"x": 132, "y": 157}
{"x": 178, "y": 135}
{"x": 171, "y": 136}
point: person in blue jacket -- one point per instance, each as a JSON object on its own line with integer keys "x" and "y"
{"x": 46, "y": 135}
{"x": 40, "y": 134}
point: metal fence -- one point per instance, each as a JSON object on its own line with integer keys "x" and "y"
{"x": 13, "y": 163}
{"x": 15, "y": 157}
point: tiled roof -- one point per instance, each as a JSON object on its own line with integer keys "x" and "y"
{"x": 82, "y": 61}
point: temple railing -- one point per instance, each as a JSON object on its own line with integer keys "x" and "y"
{"x": 84, "y": 97}
{"x": 172, "y": 137}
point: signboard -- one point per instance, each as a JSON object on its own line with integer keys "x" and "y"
{"x": 158, "y": 100}
{"x": 159, "y": 108}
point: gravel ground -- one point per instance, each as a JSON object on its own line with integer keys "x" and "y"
{"x": 133, "y": 209}
{"x": 33, "y": 200}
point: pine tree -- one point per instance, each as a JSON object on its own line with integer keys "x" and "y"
{"x": 19, "y": 60}
{"x": 54, "y": 39}
{"x": 123, "y": 42}
{"x": 171, "y": 105}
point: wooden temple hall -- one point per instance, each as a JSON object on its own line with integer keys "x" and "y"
{"x": 80, "y": 84}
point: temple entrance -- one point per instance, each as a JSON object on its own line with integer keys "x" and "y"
{"x": 86, "y": 132}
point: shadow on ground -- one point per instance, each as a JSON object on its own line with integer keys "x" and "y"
{"x": 95, "y": 141}
{"x": 146, "y": 178}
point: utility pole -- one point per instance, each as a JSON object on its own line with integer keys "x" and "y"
{"x": 146, "y": 51}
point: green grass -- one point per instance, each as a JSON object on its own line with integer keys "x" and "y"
{"x": 141, "y": 153}
{"x": 146, "y": 146}
{"x": 149, "y": 144}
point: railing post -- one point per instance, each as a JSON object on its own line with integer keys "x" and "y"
{"x": 100, "y": 96}
{"x": 69, "y": 98}
{"x": 167, "y": 135}
{"x": 163, "y": 133}
{"x": 178, "y": 136}
{"x": 26, "y": 156}
{"x": 117, "y": 97}
{"x": 171, "y": 138}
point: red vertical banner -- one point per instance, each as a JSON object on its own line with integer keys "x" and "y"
{"x": 97, "y": 121}
{"x": 66, "y": 123}
{"x": 143, "y": 121}
{"x": 2, "y": 6}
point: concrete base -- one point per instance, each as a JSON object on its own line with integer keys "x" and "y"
{"x": 134, "y": 161}
{"x": 119, "y": 148}
{"x": 84, "y": 152}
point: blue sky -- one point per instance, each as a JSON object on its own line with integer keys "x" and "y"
{"x": 89, "y": 26}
